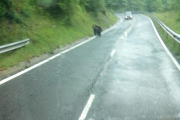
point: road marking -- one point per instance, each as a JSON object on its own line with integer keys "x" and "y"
{"x": 22, "y": 72}
{"x": 87, "y": 107}
{"x": 125, "y": 33}
{"x": 54, "y": 56}
{"x": 51, "y": 58}
{"x": 168, "y": 52}
{"x": 41, "y": 63}
{"x": 112, "y": 53}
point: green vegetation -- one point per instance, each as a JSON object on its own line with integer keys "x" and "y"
{"x": 136, "y": 5}
{"x": 49, "y": 24}
{"x": 144, "y": 5}
{"x": 52, "y": 23}
{"x": 171, "y": 19}
{"x": 168, "y": 11}
{"x": 173, "y": 46}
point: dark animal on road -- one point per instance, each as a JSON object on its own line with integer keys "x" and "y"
{"x": 97, "y": 30}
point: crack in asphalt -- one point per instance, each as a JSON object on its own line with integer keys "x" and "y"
{"x": 100, "y": 73}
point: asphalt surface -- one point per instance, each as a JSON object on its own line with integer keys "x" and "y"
{"x": 127, "y": 70}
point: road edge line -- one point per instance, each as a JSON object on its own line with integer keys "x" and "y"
{"x": 3, "y": 81}
{"x": 163, "y": 44}
{"x": 113, "y": 52}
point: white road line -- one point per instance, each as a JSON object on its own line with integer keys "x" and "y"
{"x": 112, "y": 53}
{"x": 125, "y": 33}
{"x": 169, "y": 53}
{"x": 86, "y": 109}
{"x": 53, "y": 57}
{"x": 22, "y": 72}
{"x": 41, "y": 63}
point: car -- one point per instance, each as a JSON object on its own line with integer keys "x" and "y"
{"x": 128, "y": 15}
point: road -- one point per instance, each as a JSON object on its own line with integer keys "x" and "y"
{"x": 124, "y": 75}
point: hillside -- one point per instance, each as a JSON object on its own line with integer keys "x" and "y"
{"x": 49, "y": 24}
{"x": 171, "y": 19}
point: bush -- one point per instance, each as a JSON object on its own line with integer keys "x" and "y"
{"x": 93, "y": 5}
{"x": 178, "y": 19}
{"x": 8, "y": 12}
{"x": 2, "y": 9}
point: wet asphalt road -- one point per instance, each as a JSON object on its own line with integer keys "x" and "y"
{"x": 138, "y": 82}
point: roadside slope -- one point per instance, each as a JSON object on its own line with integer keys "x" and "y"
{"x": 171, "y": 19}
{"x": 172, "y": 45}
{"x": 47, "y": 31}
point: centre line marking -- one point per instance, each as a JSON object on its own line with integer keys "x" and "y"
{"x": 112, "y": 53}
{"x": 86, "y": 109}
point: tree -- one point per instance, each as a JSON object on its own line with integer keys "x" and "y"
{"x": 5, "y": 8}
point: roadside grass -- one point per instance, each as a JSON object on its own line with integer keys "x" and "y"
{"x": 172, "y": 45}
{"x": 171, "y": 19}
{"x": 47, "y": 34}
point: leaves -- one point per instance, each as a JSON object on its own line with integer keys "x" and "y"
{"x": 5, "y": 7}
{"x": 146, "y": 5}
{"x": 3, "y": 10}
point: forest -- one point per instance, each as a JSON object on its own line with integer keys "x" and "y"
{"x": 144, "y": 5}
{"x": 14, "y": 9}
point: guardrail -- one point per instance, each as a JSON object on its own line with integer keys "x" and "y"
{"x": 12, "y": 46}
{"x": 173, "y": 34}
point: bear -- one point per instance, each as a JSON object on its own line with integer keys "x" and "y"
{"x": 97, "y": 30}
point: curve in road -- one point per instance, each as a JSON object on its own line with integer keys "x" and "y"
{"x": 127, "y": 71}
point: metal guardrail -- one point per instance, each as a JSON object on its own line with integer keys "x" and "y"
{"x": 173, "y": 34}
{"x": 12, "y": 46}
